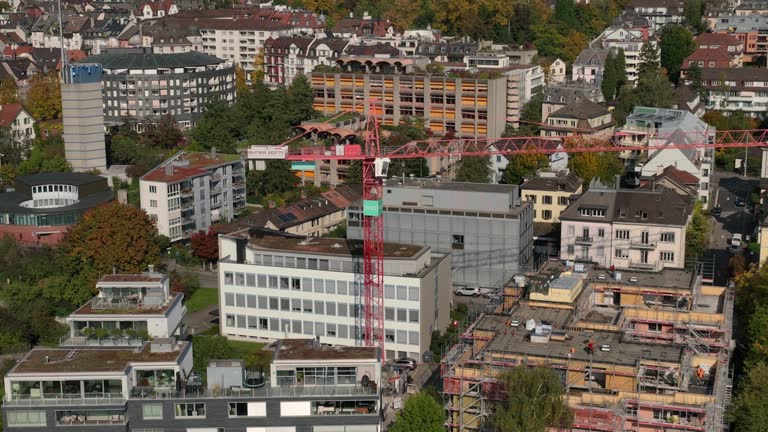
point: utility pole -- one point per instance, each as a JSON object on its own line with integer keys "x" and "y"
{"x": 61, "y": 39}
{"x": 746, "y": 157}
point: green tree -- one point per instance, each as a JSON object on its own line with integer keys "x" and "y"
{"x": 565, "y": 13}
{"x": 44, "y": 96}
{"x": 521, "y": 166}
{"x": 98, "y": 241}
{"x": 301, "y": 96}
{"x": 697, "y": 232}
{"x": 591, "y": 165}
{"x": 610, "y": 77}
{"x": 475, "y": 169}
{"x": 164, "y": 134}
{"x": 648, "y": 59}
{"x": 406, "y": 167}
{"x": 695, "y": 79}
{"x": 530, "y": 118}
{"x": 209, "y": 348}
{"x": 748, "y": 412}
{"x": 354, "y": 173}
{"x": 653, "y": 90}
{"x": 694, "y": 11}
{"x": 534, "y": 402}
{"x": 621, "y": 70}
{"x": 676, "y": 43}
{"x": 9, "y": 93}
{"x": 420, "y": 413}
{"x": 125, "y": 149}
{"x": 276, "y": 178}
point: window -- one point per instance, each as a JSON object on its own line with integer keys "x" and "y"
{"x": 546, "y": 214}
{"x": 458, "y": 242}
{"x": 152, "y": 411}
{"x": 240, "y": 279}
{"x": 667, "y": 256}
{"x": 622, "y": 253}
{"x": 190, "y": 410}
{"x": 562, "y": 201}
{"x": 654, "y": 327}
{"x": 547, "y": 199}
{"x": 622, "y": 234}
{"x": 25, "y": 418}
{"x": 153, "y": 189}
{"x": 570, "y": 249}
{"x": 667, "y": 237}
{"x": 600, "y": 251}
{"x": 571, "y": 230}
{"x": 601, "y": 232}
{"x": 228, "y": 278}
{"x": 153, "y": 203}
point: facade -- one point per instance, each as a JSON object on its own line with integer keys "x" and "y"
{"x": 287, "y": 56}
{"x": 274, "y": 287}
{"x": 750, "y": 30}
{"x": 523, "y": 82}
{"x": 559, "y": 95}
{"x": 189, "y": 191}
{"x": 132, "y": 308}
{"x": 83, "y": 117}
{"x": 589, "y": 66}
{"x": 486, "y": 228}
{"x": 709, "y": 58}
{"x": 660, "y": 361}
{"x": 554, "y": 71}
{"x": 43, "y": 206}
{"x": 630, "y": 40}
{"x": 579, "y": 118}
{"x": 625, "y": 229}
{"x": 21, "y": 123}
{"x": 737, "y": 89}
{"x": 658, "y": 12}
{"x": 141, "y": 84}
{"x": 550, "y": 193}
{"x": 310, "y": 388}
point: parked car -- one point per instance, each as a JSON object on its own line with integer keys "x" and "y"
{"x": 740, "y": 202}
{"x": 493, "y": 295}
{"x": 404, "y": 363}
{"x": 468, "y": 291}
{"x": 736, "y": 240}
{"x": 716, "y": 211}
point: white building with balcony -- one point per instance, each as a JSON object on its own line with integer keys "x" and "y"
{"x": 630, "y": 40}
{"x": 189, "y": 191}
{"x": 274, "y": 287}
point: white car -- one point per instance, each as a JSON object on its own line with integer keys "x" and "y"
{"x": 468, "y": 291}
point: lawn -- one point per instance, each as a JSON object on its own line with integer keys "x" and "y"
{"x": 245, "y": 347}
{"x": 202, "y": 298}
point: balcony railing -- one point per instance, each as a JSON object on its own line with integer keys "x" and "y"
{"x": 185, "y": 192}
{"x": 642, "y": 245}
{"x": 264, "y": 392}
{"x": 643, "y": 265}
{"x": 583, "y": 240}
{"x": 116, "y": 399}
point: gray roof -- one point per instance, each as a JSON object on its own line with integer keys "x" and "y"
{"x": 740, "y": 24}
{"x": 427, "y": 183}
{"x": 591, "y": 57}
{"x": 582, "y": 109}
{"x": 564, "y": 183}
{"x": 65, "y": 178}
{"x": 571, "y": 91}
{"x": 659, "y": 207}
{"x": 138, "y": 58}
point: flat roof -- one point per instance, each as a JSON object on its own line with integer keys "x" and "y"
{"x": 92, "y": 359}
{"x": 623, "y": 353}
{"x": 332, "y": 246}
{"x": 66, "y": 178}
{"x": 140, "y": 58}
{"x": 135, "y": 277}
{"x": 87, "y": 309}
{"x": 667, "y": 278}
{"x": 305, "y": 349}
{"x": 188, "y": 165}
{"x": 429, "y": 183}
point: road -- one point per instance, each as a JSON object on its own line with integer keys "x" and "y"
{"x": 732, "y": 219}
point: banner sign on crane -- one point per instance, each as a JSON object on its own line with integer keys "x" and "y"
{"x": 372, "y": 207}
{"x": 303, "y": 166}
{"x": 267, "y": 152}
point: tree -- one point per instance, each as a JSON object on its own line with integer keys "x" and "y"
{"x": 257, "y": 75}
{"x": 697, "y": 233}
{"x": 98, "y": 241}
{"x": 649, "y": 59}
{"x": 276, "y": 178}
{"x": 209, "y": 348}
{"x": 590, "y": 165}
{"x": 205, "y": 245}
{"x": 420, "y": 413}
{"x": 534, "y": 402}
{"x": 694, "y": 77}
{"x": 301, "y": 96}
{"x": 694, "y": 11}
{"x": 610, "y": 77}
{"x": 125, "y": 149}
{"x": 530, "y": 118}
{"x": 44, "y": 97}
{"x": 406, "y": 167}
{"x": 185, "y": 282}
{"x": 621, "y": 70}
{"x": 565, "y": 13}
{"x": 164, "y": 134}
{"x": 748, "y": 411}
{"x": 521, "y": 166}
{"x": 354, "y": 173}
{"x": 475, "y": 169}
{"x": 9, "y": 93}
{"x": 241, "y": 84}
{"x": 676, "y": 44}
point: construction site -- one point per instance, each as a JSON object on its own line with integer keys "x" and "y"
{"x": 635, "y": 351}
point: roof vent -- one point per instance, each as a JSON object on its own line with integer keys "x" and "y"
{"x": 335, "y": 245}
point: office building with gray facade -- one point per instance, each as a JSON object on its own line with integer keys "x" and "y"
{"x": 144, "y": 86}
{"x": 486, "y": 228}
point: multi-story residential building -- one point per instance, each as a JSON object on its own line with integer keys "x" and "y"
{"x": 129, "y": 309}
{"x": 661, "y": 127}
{"x": 523, "y": 82}
{"x": 486, "y": 228}
{"x": 189, "y": 191}
{"x": 709, "y": 58}
{"x": 559, "y": 95}
{"x": 659, "y": 360}
{"x": 579, "y": 118}
{"x": 19, "y": 121}
{"x": 554, "y": 71}
{"x": 737, "y": 89}
{"x": 488, "y": 60}
{"x": 141, "y": 84}
{"x": 42, "y": 207}
{"x": 630, "y": 40}
{"x": 733, "y": 46}
{"x": 551, "y": 193}
{"x": 589, "y": 66}
{"x": 658, "y": 12}
{"x": 750, "y": 30}
{"x": 149, "y": 9}
{"x": 638, "y": 229}
{"x": 308, "y": 388}
{"x": 452, "y": 51}
{"x": 287, "y": 56}
{"x": 274, "y": 287}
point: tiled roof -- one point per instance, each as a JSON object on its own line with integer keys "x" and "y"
{"x": 582, "y": 109}
{"x": 370, "y": 50}
{"x": 679, "y": 176}
{"x": 562, "y": 183}
{"x": 8, "y": 113}
{"x": 591, "y": 57}
{"x": 719, "y": 55}
{"x": 659, "y": 207}
{"x": 196, "y": 164}
{"x": 722, "y": 39}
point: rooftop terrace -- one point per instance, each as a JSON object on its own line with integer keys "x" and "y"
{"x": 331, "y": 246}
{"x": 305, "y": 349}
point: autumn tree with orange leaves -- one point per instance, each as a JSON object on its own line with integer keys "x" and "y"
{"x": 589, "y": 165}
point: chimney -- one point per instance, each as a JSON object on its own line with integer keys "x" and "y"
{"x": 618, "y": 181}
{"x": 114, "y": 270}
{"x": 151, "y": 268}
{"x": 213, "y": 152}
{"x": 169, "y": 169}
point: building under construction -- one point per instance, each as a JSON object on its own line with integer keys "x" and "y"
{"x": 636, "y": 351}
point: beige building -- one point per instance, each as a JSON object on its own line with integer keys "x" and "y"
{"x": 550, "y": 193}
{"x": 578, "y": 118}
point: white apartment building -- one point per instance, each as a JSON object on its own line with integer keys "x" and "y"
{"x": 278, "y": 287}
{"x": 189, "y": 191}
{"x": 523, "y": 81}
{"x": 626, "y": 228}
{"x": 589, "y": 66}
{"x": 630, "y": 40}
{"x": 736, "y": 89}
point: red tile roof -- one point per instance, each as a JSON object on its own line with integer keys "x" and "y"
{"x": 198, "y": 164}
{"x": 23, "y": 49}
{"x": 720, "y": 56}
{"x": 721, "y": 39}
{"x": 679, "y": 176}
{"x": 8, "y": 113}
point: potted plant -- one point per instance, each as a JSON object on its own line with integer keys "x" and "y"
{"x": 300, "y": 377}
{"x": 87, "y": 332}
{"x": 116, "y": 333}
{"x": 131, "y": 334}
{"x": 100, "y": 333}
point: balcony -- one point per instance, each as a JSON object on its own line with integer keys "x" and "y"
{"x": 642, "y": 265}
{"x": 56, "y": 400}
{"x": 216, "y": 204}
{"x": 295, "y": 391}
{"x": 584, "y": 240}
{"x": 642, "y": 245}
{"x": 187, "y": 192}
{"x": 188, "y": 205}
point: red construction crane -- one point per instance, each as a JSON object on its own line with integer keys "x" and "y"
{"x": 375, "y": 161}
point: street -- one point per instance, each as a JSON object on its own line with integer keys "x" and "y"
{"x": 732, "y": 220}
